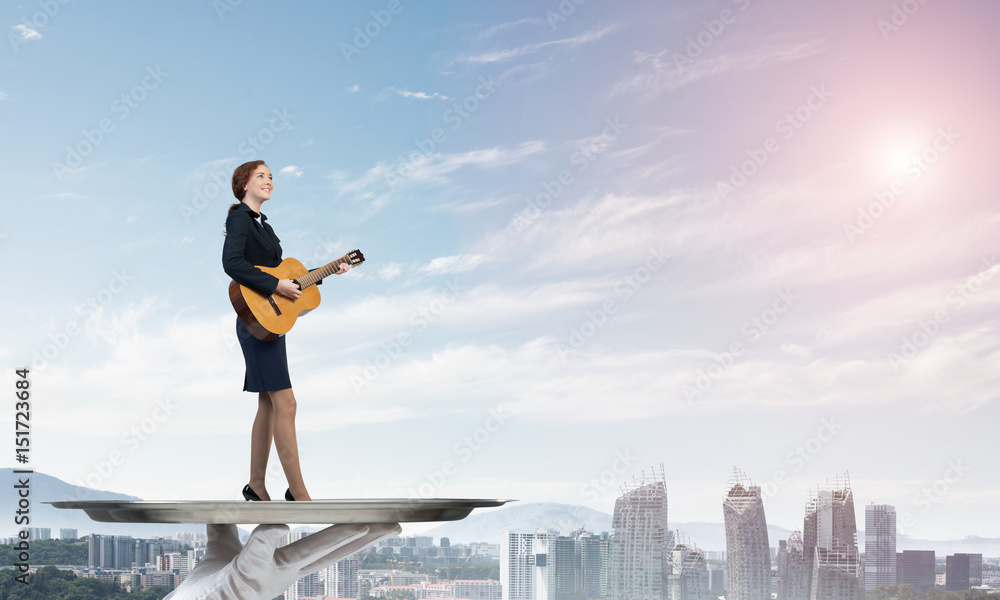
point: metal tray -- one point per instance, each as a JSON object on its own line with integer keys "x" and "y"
{"x": 327, "y": 512}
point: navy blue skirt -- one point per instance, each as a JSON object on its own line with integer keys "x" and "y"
{"x": 267, "y": 362}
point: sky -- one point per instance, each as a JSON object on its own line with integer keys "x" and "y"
{"x": 599, "y": 237}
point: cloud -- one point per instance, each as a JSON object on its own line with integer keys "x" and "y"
{"x": 417, "y": 95}
{"x": 354, "y": 89}
{"x": 597, "y": 232}
{"x": 218, "y": 172}
{"x": 291, "y": 171}
{"x": 447, "y": 265}
{"x": 495, "y": 29}
{"x": 3, "y": 95}
{"x": 539, "y": 380}
{"x": 669, "y": 70}
{"x": 906, "y": 310}
{"x": 498, "y": 56}
{"x": 795, "y": 350}
{"x": 26, "y": 33}
{"x": 390, "y": 271}
{"x": 380, "y": 184}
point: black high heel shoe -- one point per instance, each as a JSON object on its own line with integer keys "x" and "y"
{"x": 288, "y": 496}
{"x": 249, "y": 494}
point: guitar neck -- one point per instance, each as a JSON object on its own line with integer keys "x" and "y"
{"x": 319, "y": 274}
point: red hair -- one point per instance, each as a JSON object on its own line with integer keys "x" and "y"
{"x": 240, "y": 178}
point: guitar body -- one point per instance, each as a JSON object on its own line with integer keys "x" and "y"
{"x": 268, "y": 317}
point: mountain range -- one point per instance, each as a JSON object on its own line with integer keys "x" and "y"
{"x": 45, "y": 488}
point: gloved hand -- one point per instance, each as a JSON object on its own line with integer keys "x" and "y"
{"x": 261, "y": 570}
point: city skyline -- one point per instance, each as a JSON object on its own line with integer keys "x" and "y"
{"x": 560, "y": 524}
{"x": 598, "y": 237}
{"x": 544, "y": 565}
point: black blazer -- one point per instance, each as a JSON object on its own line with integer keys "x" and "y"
{"x": 248, "y": 244}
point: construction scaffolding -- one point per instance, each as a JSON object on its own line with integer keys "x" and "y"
{"x": 830, "y": 542}
{"x": 748, "y": 556}
{"x": 641, "y": 543}
{"x": 688, "y": 578}
{"x": 793, "y": 569}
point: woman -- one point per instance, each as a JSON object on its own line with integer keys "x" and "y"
{"x": 250, "y": 241}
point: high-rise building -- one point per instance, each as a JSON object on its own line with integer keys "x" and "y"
{"x": 194, "y": 556}
{"x": 916, "y": 568}
{"x": 342, "y": 578}
{"x": 716, "y": 578}
{"x": 306, "y": 586}
{"x": 67, "y": 534}
{"x": 39, "y": 533}
{"x": 748, "y": 556}
{"x": 174, "y": 562}
{"x": 566, "y": 563}
{"x": 880, "y": 546}
{"x": 109, "y": 551}
{"x": 830, "y": 543}
{"x": 605, "y": 565}
{"x": 688, "y": 576}
{"x": 793, "y": 569}
{"x": 149, "y": 551}
{"x": 641, "y": 544}
{"x": 963, "y": 571}
{"x": 593, "y": 564}
{"x": 525, "y": 570}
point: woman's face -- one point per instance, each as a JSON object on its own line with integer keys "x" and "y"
{"x": 260, "y": 185}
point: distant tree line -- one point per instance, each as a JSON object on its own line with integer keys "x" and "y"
{"x": 50, "y": 583}
{"x": 49, "y": 552}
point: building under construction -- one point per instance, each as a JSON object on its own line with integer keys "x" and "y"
{"x": 830, "y": 543}
{"x": 640, "y": 548}
{"x": 793, "y": 569}
{"x": 688, "y": 577}
{"x": 748, "y": 555}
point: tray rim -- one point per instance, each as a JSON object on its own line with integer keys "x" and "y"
{"x": 324, "y": 511}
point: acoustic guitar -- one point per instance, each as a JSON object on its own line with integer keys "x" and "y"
{"x": 268, "y": 317}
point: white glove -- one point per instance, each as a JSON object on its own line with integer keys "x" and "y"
{"x": 261, "y": 570}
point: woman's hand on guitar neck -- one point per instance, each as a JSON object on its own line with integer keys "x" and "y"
{"x": 288, "y": 288}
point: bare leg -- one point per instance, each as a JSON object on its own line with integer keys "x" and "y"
{"x": 260, "y": 444}
{"x": 283, "y": 403}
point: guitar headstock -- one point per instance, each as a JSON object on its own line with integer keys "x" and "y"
{"x": 354, "y": 258}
